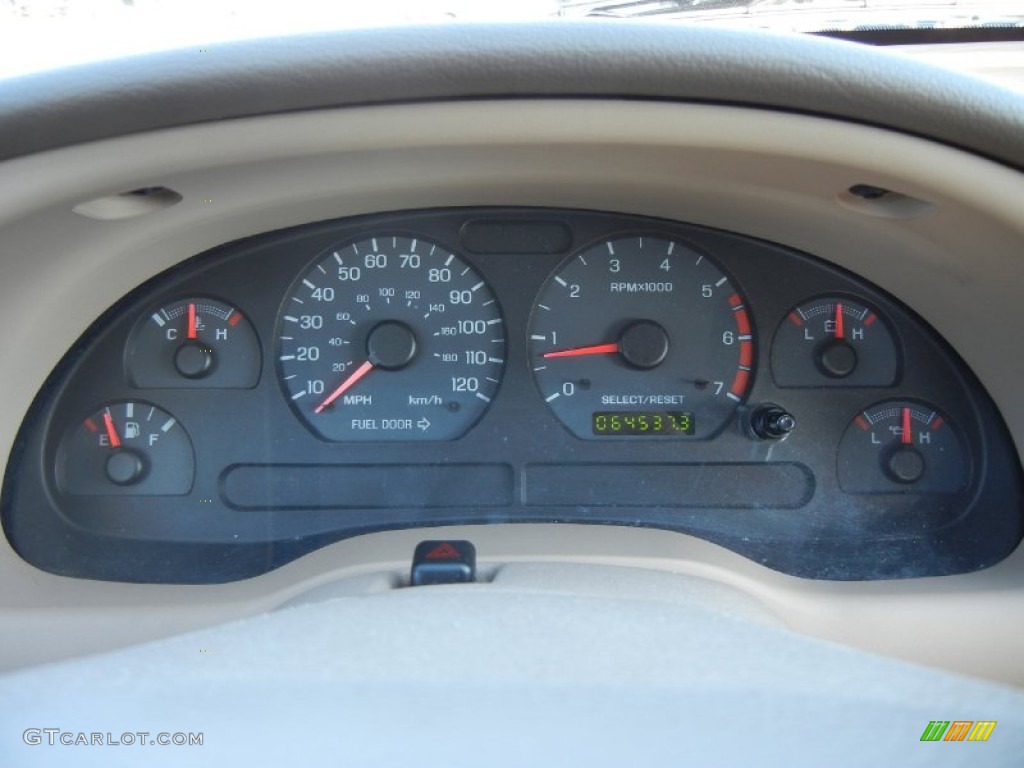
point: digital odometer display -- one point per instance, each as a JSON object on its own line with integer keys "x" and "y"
{"x": 647, "y": 423}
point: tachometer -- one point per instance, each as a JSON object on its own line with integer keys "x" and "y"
{"x": 390, "y": 338}
{"x": 641, "y": 337}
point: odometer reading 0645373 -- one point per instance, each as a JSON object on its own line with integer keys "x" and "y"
{"x": 641, "y": 337}
{"x": 390, "y": 338}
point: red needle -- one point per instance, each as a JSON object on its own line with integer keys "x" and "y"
{"x": 357, "y": 374}
{"x": 115, "y": 441}
{"x": 191, "y": 321}
{"x": 907, "y": 436}
{"x": 597, "y": 349}
{"x": 839, "y": 321}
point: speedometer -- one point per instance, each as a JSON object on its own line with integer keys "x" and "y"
{"x": 390, "y": 338}
{"x": 641, "y": 337}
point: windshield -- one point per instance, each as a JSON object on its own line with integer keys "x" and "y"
{"x": 45, "y": 34}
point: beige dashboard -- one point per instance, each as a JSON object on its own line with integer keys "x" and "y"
{"x": 948, "y": 244}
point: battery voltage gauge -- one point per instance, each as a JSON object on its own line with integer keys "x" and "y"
{"x": 834, "y": 342}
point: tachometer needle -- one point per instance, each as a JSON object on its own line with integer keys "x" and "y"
{"x": 597, "y": 349}
{"x": 347, "y": 384}
{"x": 115, "y": 441}
{"x": 907, "y": 437}
{"x": 840, "y": 331}
{"x": 191, "y": 321}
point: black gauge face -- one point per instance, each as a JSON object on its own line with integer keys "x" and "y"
{"x": 390, "y": 338}
{"x": 641, "y": 337}
{"x": 194, "y": 342}
{"x": 834, "y": 342}
{"x": 902, "y": 446}
{"x": 126, "y": 449}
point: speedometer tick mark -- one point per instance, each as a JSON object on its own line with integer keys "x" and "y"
{"x": 321, "y": 268}
{"x": 291, "y": 319}
{"x": 478, "y": 286}
{"x": 494, "y": 320}
{"x": 721, "y": 282}
{"x": 611, "y": 248}
{"x": 296, "y": 298}
{"x": 297, "y": 395}
{"x": 483, "y": 397}
{"x": 552, "y": 397}
{"x": 463, "y": 272}
{"x": 560, "y": 281}
{"x": 309, "y": 285}
{"x": 337, "y": 258}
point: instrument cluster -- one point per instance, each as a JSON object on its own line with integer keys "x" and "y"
{"x": 276, "y": 394}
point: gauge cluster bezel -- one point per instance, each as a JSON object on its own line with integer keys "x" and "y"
{"x": 774, "y": 501}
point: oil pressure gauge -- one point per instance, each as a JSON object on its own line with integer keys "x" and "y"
{"x": 902, "y": 446}
{"x": 194, "y": 343}
{"x": 834, "y": 342}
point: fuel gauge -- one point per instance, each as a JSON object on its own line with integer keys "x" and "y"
{"x": 902, "y": 446}
{"x": 834, "y": 342}
{"x": 126, "y": 448}
{"x": 194, "y": 342}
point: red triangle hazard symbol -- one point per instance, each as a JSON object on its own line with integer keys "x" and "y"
{"x": 443, "y": 551}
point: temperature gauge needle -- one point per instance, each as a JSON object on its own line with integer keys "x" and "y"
{"x": 191, "y": 321}
{"x": 597, "y": 349}
{"x": 840, "y": 331}
{"x": 115, "y": 441}
{"x": 907, "y": 437}
{"x": 347, "y": 384}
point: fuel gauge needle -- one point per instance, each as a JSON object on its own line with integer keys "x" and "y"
{"x": 597, "y": 349}
{"x": 115, "y": 441}
{"x": 346, "y": 385}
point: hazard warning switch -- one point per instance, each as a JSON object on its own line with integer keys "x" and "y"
{"x": 443, "y": 562}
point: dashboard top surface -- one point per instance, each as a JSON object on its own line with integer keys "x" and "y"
{"x": 599, "y": 58}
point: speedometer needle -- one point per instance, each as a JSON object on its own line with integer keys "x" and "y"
{"x": 597, "y": 349}
{"x": 347, "y": 384}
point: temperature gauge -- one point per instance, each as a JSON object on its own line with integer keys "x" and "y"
{"x": 126, "y": 448}
{"x": 902, "y": 446}
{"x": 194, "y": 342}
{"x": 833, "y": 342}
